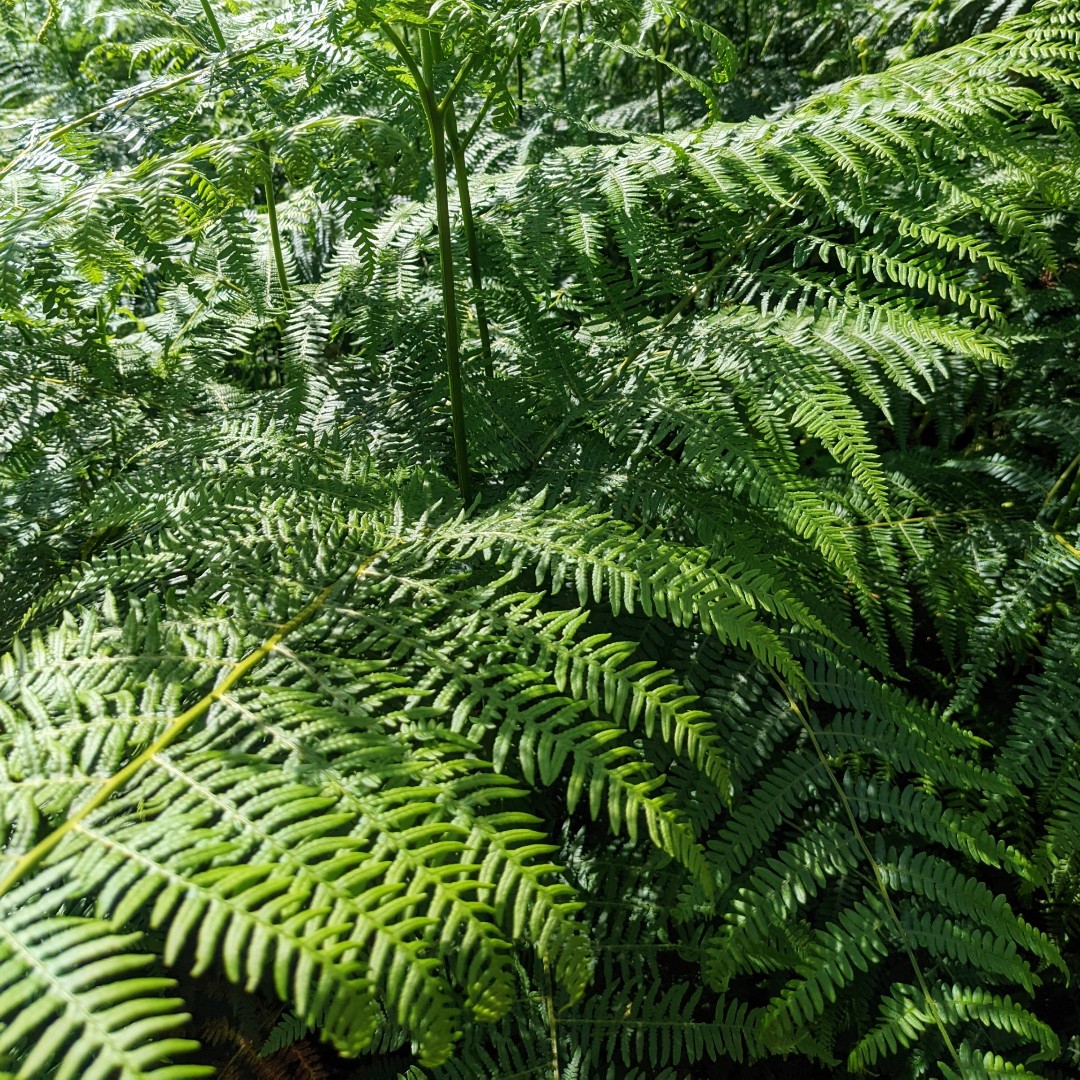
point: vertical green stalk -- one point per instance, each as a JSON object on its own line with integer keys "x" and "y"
{"x": 271, "y": 213}
{"x": 659, "y": 76}
{"x": 468, "y": 221}
{"x": 215, "y": 26}
{"x": 520, "y": 87}
{"x": 435, "y": 113}
{"x": 268, "y": 169}
{"x": 437, "y": 130}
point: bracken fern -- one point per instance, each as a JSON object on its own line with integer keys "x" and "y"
{"x": 730, "y": 717}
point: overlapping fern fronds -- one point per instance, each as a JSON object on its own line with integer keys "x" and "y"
{"x": 706, "y": 702}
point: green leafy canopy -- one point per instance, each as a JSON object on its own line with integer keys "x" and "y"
{"x": 539, "y": 539}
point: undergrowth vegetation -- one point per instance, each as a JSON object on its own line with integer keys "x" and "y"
{"x": 539, "y": 539}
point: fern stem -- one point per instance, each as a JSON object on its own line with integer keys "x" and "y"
{"x": 658, "y": 75}
{"x": 1074, "y": 551}
{"x": 1070, "y": 496}
{"x": 272, "y": 217}
{"x": 660, "y": 97}
{"x": 549, "y": 1002}
{"x": 479, "y": 119}
{"x": 437, "y": 130}
{"x": 456, "y": 83}
{"x": 268, "y": 184}
{"x": 435, "y": 114}
{"x": 40, "y": 851}
{"x": 405, "y": 52}
{"x": 879, "y": 877}
{"x": 215, "y": 27}
{"x": 520, "y": 88}
{"x": 468, "y": 221}
{"x": 1060, "y": 482}
{"x": 914, "y": 519}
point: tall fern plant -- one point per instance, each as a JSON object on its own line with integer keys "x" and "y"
{"x": 711, "y": 725}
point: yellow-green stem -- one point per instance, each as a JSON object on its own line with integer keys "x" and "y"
{"x": 1061, "y": 481}
{"x": 1067, "y": 503}
{"x": 435, "y": 113}
{"x": 41, "y": 851}
{"x": 553, "y": 1032}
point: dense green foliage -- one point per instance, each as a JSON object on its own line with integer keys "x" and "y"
{"x": 539, "y": 540}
